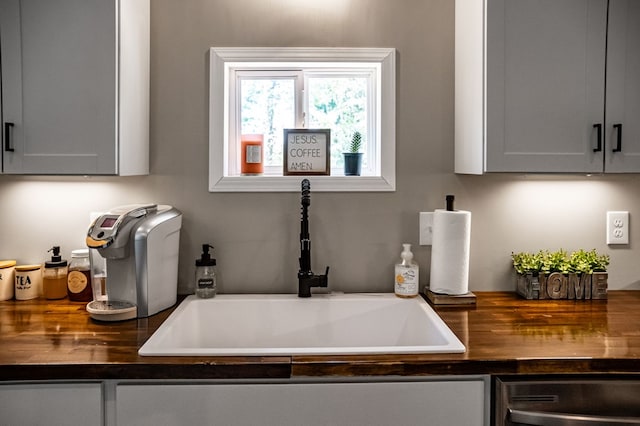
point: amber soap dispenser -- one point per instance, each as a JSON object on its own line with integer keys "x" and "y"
{"x": 54, "y": 276}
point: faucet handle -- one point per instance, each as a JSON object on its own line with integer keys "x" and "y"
{"x": 324, "y": 279}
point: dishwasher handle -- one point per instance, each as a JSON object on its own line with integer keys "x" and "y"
{"x": 539, "y": 418}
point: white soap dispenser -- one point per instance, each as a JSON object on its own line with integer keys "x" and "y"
{"x": 407, "y": 274}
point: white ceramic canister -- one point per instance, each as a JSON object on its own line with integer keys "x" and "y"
{"x": 28, "y": 279}
{"x": 7, "y": 273}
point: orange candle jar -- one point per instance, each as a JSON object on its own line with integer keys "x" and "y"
{"x": 251, "y": 154}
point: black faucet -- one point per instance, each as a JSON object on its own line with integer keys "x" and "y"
{"x": 306, "y": 278}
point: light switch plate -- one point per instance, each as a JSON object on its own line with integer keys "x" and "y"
{"x": 618, "y": 227}
{"x": 426, "y": 228}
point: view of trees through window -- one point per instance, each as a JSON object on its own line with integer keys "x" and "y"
{"x": 268, "y": 107}
{"x": 339, "y": 103}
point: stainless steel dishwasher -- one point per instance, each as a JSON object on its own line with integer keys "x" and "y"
{"x": 567, "y": 402}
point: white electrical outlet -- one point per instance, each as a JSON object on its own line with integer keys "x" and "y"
{"x": 426, "y": 228}
{"x": 617, "y": 227}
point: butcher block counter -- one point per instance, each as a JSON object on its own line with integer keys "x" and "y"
{"x": 503, "y": 334}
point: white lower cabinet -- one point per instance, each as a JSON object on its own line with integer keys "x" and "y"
{"x": 67, "y": 404}
{"x": 397, "y": 402}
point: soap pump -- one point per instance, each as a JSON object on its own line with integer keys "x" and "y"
{"x": 54, "y": 276}
{"x": 407, "y": 274}
{"x": 206, "y": 285}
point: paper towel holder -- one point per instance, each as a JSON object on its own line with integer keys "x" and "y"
{"x": 449, "y": 199}
{"x": 426, "y": 221}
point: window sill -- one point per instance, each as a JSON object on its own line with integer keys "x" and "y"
{"x": 292, "y": 184}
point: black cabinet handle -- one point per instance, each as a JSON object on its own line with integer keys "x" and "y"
{"x": 8, "y": 146}
{"x": 598, "y": 127}
{"x": 618, "y": 147}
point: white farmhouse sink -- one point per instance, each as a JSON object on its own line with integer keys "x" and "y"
{"x": 361, "y": 323}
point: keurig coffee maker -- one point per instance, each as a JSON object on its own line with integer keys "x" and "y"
{"x": 140, "y": 243}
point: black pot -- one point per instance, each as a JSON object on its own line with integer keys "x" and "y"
{"x": 352, "y": 163}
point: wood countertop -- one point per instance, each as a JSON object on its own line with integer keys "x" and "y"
{"x": 503, "y": 334}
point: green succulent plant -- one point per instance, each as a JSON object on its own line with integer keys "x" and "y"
{"x": 587, "y": 262}
{"x": 526, "y": 263}
{"x": 356, "y": 142}
{"x": 581, "y": 262}
{"x": 555, "y": 262}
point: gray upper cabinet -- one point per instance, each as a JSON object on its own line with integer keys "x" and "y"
{"x": 530, "y": 86}
{"x": 75, "y": 86}
{"x": 623, "y": 87}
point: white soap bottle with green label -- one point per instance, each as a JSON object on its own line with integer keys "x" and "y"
{"x": 407, "y": 274}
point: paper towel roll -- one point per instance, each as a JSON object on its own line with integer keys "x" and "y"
{"x": 450, "y": 252}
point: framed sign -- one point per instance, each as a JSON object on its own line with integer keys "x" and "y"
{"x": 307, "y": 152}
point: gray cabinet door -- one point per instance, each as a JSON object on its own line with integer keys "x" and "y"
{"x": 545, "y": 72}
{"x": 51, "y": 404}
{"x": 75, "y": 86}
{"x": 623, "y": 87}
{"x": 64, "y": 118}
{"x": 365, "y": 403}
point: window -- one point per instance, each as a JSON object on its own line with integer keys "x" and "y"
{"x": 267, "y": 90}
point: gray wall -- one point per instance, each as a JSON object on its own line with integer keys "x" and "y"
{"x": 358, "y": 235}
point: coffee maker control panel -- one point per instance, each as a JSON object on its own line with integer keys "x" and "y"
{"x": 105, "y": 228}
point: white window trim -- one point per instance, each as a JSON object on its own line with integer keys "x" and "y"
{"x": 220, "y": 60}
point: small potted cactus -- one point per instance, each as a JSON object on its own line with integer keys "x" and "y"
{"x": 353, "y": 157}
